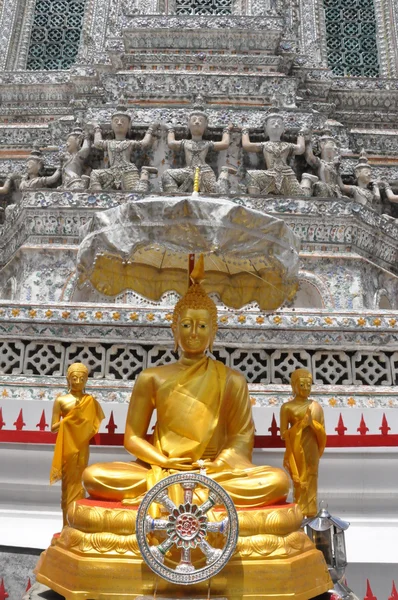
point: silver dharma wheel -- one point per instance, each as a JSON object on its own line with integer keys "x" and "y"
{"x": 184, "y": 529}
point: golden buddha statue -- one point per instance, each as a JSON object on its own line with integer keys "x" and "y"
{"x": 302, "y": 427}
{"x": 76, "y": 417}
{"x": 204, "y": 418}
{"x": 204, "y": 412}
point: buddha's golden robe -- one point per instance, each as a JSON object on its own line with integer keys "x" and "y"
{"x": 203, "y": 412}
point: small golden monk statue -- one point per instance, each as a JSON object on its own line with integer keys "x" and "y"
{"x": 203, "y": 413}
{"x": 76, "y": 417}
{"x": 303, "y": 429}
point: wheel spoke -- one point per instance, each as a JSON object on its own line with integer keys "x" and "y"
{"x": 165, "y": 546}
{"x": 219, "y": 526}
{"x": 185, "y": 565}
{"x": 163, "y": 499}
{"x": 155, "y": 524}
{"x": 210, "y": 502}
{"x": 188, "y": 487}
{"x": 211, "y": 553}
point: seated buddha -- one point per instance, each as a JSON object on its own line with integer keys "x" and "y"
{"x": 204, "y": 418}
{"x": 203, "y": 414}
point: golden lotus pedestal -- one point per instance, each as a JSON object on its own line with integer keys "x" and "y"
{"x": 97, "y": 558}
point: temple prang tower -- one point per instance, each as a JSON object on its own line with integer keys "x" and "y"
{"x": 330, "y": 68}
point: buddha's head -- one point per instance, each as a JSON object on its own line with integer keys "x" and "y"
{"x": 74, "y": 141}
{"x": 195, "y": 320}
{"x": 77, "y": 375}
{"x": 274, "y": 126}
{"x": 121, "y": 121}
{"x": 301, "y": 381}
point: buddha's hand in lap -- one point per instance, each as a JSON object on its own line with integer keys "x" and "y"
{"x": 176, "y": 464}
{"x": 211, "y": 466}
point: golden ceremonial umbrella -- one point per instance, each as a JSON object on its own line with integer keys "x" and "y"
{"x": 144, "y": 246}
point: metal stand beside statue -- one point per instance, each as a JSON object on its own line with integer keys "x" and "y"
{"x": 327, "y": 533}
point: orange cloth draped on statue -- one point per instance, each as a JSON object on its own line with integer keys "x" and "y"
{"x": 204, "y": 411}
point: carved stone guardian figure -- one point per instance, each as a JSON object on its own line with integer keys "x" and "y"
{"x": 366, "y": 192}
{"x": 278, "y": 178}
{"x": 32, "y": 180}
{"x": 195, "y": 152}
{"x": 77, "y": 150}
{"x": 121, "y": 173}
{"x": 326, "y": 166}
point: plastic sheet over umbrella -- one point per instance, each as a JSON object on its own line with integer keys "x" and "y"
{"x": 144, "y": 246}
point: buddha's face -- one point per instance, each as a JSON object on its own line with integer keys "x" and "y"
{"x": 33, "y": 167}
{"x": 302, "y": 386}
{"x": 120, "y": 124}
{"x": 274, "y": 127}
{"x": 195, "y": 331}
{"x": 72, "y": 144}
{"x": 197, "y": 124}
{"x": 77, "y": 381}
